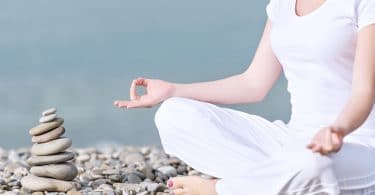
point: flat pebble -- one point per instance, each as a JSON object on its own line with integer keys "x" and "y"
{"x": 132, "y": 157}
{"x": 48, "y": 136}
{"x": 105, "y": 187}
{"x": 44, "y": 127}
{"x": 48, "y": 118}
{"x": 83, "y": 157}
{"x": 63, "y": 171}
{"x": 49, "y": 111}
{"x": 37, "y": 193}
{"x": 56, "y": 158}
{"x": 34, "y": 183}
{"x": 52, "y": 147}
{"x": 73, "y": 193}
{"x": 11, "y": 193}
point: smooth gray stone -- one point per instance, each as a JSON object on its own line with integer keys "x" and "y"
{"x": 133, "y": 178}
{"x": 168, "y": 170}
{"x": 51, "y": 147}
{"x": 39, "y": 184}
{"x": 48, "y": 136}
{"x": 45, "y": 127}
{"x": 63, "y": 171}
{"x": 49, "y": 111}
{"x": 48, "y": 118}
{"x": 56, "y": 158}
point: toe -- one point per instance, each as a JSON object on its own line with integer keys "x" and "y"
{"x": 176, "y": 182}
{"x": 179, "y": 191}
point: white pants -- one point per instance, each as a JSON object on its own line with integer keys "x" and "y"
{"x": 253, "y": 156}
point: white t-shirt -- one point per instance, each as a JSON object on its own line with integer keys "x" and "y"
{"x": 317, "y": 53}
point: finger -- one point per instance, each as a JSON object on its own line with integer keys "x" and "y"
{"x": 337, "y": 142}
{"x": 121, "y": 104}
{"x": 335, "y": 139}
{"x": 133, "y": 92}
{"x": 326, "y": 149}
{"x": 310, "y": 145}
{"x": 137, "y": 103}
{"x": 327, "y": 145}
{"x": 316, "y": 148}
{"x": 133, "y": 88}
{"x": 142, "y": 81}
{"x": 179, "y": 191}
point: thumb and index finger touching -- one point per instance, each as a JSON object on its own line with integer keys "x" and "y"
{"x": 135, "y": 99}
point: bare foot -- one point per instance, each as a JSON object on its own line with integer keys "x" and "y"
{"x": 192, "y": 185}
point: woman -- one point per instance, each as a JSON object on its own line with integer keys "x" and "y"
{"x": 326, "y": 49}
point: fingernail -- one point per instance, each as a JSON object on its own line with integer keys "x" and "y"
{"x": 170, "y": 183}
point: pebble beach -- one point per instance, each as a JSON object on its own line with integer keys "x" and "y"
{"x": 102, "y": 170}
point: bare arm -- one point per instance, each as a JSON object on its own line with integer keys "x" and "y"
{"x": 362, "y": 98}
{"x": 361, "y": 101}
{"x": 250, "y": 86}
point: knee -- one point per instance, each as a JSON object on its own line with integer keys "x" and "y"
{"x": 175, "y": 111}
{"x": 311, "y": 165}
{"x": 315, "y": 165}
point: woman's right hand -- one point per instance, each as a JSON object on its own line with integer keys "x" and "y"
{"x": 156, "y": 92}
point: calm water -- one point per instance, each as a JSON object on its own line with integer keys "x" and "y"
{"x": 79, "y": 56}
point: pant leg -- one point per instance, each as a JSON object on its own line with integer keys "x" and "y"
{"x": 295, "y": 170}
{"x": 298, "y": 171}
{"x": 218, "y": 141}
{"x": 354, "y": 166}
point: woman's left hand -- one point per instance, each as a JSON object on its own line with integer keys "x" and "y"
{"x": 327, "y": 140}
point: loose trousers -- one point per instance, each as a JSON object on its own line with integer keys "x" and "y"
{"x": 253, "y": 156}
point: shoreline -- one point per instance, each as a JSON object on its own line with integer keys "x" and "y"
{"x": 103, "y": 170}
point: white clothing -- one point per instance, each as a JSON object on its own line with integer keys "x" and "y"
{"x": 317, "y": 54}
{"x": 254, "y": 156}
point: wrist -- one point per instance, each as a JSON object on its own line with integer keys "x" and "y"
{"x": 173, "y": 90}
{"x": 341, "y": 128}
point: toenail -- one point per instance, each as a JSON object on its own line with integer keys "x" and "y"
{"x": 170, "y": 183}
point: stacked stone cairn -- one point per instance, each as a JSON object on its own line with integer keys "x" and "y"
{"x": 50, "y": 170}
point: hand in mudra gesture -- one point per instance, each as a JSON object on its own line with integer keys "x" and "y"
{"x": 327, "y": 140}
{"x": 156, "y": 92}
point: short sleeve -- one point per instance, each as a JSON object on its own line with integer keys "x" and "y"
{"x": 365, "y": 13}
{"x": 271, "y": 9}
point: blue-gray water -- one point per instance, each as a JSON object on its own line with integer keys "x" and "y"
{"x": 79, "y": 56}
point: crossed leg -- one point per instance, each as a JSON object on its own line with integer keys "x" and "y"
{"x": 250, "y": 155}
{"x": 217, "y": 141}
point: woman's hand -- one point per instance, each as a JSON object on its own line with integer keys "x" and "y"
{"x": 156, "y": 92}
{"x": 327, "y": 140}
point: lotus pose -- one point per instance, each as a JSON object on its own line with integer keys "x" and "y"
{"x": 326, "y": 50}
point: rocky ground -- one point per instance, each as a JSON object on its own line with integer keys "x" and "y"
{"x": 105, "y": 170}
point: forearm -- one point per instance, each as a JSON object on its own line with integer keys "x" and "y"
{"x": 355, "y": 112}
{"x": 231, "y": 90}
